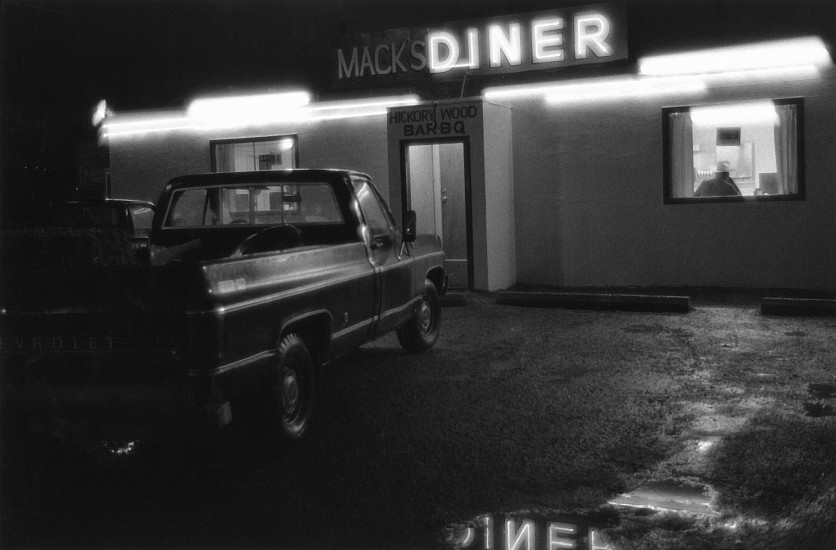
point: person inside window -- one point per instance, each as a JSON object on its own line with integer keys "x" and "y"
{"x": 721, "y": 185}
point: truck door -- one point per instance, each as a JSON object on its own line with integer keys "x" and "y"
{"x": 393, "y": 270}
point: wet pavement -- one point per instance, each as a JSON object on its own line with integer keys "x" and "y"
{"x": 598, "y": 429}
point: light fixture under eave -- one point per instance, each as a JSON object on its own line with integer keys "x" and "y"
{"x": 367, "y": 103}
{"x": 100, "y": 113}
{"x": 519, "y": 91}
{"x": 763, "y": 75}
{"x": 144, "y": 125}
{"x": 765, "y": 55}
{"x": 624, "y": 88}
{"x": 245, "y": 105}
{"x": 355, "y": 108}
{"x": 232, "y": 115}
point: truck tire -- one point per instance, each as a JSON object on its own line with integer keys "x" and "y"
{"x": 290, "y": 397}
{"x": 421, "y": 332}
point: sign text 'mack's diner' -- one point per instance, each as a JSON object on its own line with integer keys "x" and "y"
{"x": 546, "y": 40}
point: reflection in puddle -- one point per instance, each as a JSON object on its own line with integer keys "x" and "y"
{"x": 669, "y": 496}
{"x": 527, "y": 530}
{"x": 817, "y": 410}
{"x": 822, "y": 391}
{"x": 524, "y": 530}
{"x": 123, "y": 449}
{"x": 705, "y": 445}
{"x": 117, "y": 449}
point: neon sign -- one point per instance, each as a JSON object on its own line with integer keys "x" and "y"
{"x": 548, "y": 40}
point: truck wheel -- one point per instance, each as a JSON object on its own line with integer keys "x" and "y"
{"x": 290, "y": 398}
{"x": 421, "y": 332}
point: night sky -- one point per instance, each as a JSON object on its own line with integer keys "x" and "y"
{"x": 59, "y": 58}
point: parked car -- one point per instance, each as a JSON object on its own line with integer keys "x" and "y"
{"x": 133, "y": 216}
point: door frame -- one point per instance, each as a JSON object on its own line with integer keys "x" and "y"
{"x": 406, "y": 202}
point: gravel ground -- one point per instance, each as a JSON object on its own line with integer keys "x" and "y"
{"x": 522, "y": 412}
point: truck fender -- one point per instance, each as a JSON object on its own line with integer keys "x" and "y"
{"x": 438, "y": 278}
{"x": 314, "y": 327}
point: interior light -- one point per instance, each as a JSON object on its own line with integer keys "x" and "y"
{"x": 757, "y": 112}
{"x": 285, "y": 144}
{"x": 624, "y": 87}
{"x": 766, "y": 55}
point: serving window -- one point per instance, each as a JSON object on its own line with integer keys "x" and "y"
{"x": 734, "y": 151}
{"x": 245, "y": 155}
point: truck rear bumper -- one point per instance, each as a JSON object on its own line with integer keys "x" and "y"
{"x": 100, "y": 398}
{"x": 135, "y": 411}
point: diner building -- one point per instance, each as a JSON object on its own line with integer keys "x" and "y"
{"x": 563, "y": 146}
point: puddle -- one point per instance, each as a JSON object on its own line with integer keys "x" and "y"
{"x": 532, "y": 530}
{"x": 822, "y": 391}
{"x": 118, "y": 448}
{"x": 818, "y": 410}
{"x": 669, "y": 496}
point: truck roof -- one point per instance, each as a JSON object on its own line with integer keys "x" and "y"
{"x": 261, "y": 176}
{"x": 103, "y": 202}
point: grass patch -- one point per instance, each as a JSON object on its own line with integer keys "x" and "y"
{"x": 756, "y": 470}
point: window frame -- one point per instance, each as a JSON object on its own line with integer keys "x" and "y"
{"x": 667, "y": 181}
{"x": 227, "y": 141}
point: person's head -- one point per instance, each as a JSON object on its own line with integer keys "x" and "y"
{"x": 723, "y": 168}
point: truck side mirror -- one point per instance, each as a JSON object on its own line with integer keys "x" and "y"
{"x": 409, "y": 222}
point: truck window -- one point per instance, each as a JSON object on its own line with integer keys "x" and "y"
{"x": 377, "y": 219}
{"x": 235, "y": 205}
{"x": 188, "y": 209}
{"x": 298, "y": 203}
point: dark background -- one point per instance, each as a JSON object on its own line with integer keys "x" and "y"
{"x": 60, "y": 57}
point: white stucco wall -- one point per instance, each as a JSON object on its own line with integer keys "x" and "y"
{"x": 587, "y": 192}
{"x": 589, "y": 200}
{"x": 141, "y": 166}
{"x": 499, "y": 186}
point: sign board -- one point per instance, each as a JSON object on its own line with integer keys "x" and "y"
{"x": 546, "y": 40}
{"x": 728, "y": 136}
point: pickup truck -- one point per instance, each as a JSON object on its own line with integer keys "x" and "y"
{"x": 251, "y": 282}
